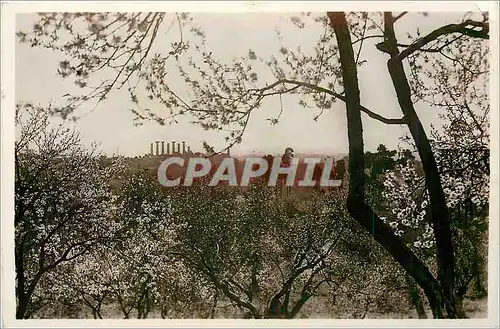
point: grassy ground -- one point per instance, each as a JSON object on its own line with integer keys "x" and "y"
{"x": 475, "y": 309}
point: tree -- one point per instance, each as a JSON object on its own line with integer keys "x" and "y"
{"x": 62, "y": 202}
{"x": 269, "y": 256}
{"x": 223, "y": 96}
{"x": 440, "y": 294}
{"x": 379, "y": 162}
{"x": 87, "y": 280}
{"x": 463, "y": 160}
{"x": 142, "y": 254}
{"x": 136, "y": 270}
{"x": 465, "y": 169}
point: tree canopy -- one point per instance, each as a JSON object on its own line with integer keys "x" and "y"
{"x": 446, "y": 68}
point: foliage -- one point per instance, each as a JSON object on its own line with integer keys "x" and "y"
{"x": 256, "y": 250}
{"x": 462, "y": 153}
{"x": 62, "y": 202}
{"x": 447, "y": 71}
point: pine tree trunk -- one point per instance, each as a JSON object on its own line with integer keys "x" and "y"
{"x": 356, "y": 204}
{"x": 438, "y": 209}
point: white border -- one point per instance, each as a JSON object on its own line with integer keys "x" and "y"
{"x": 8, "y": 12}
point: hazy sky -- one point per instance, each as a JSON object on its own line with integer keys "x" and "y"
{"x": 232, "y": 35}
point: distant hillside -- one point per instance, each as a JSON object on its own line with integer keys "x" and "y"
{"x": 151, "y": 164}
{"x": 296, "y": 155}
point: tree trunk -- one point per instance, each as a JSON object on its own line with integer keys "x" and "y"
{"x": 274, "y": 309}
{"x": 126, "y": 314}
{"x": 164, "y": 310}
{"x": 148, "y": 306}
{"x": 438, "y": 209}
{"x": 298, "y": 305}
{"x": 415, "y": 298}
{"x": 214, "y": 304}
{"x": 22, "y": 297}
{"x": 22, "y": 303}
{"x": 459, "y": 307}
{"x": 22, "y": 306}
{"x": 89, "y": 304}
{"x": 356, "y": 205}
{"x": 275, "y": 312}
{"x": 480, "y": 291}
{"x": 24, "y": 288}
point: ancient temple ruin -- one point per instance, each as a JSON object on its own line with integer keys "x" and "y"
{"x": 159, "y": 148}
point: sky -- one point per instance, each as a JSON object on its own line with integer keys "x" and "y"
{"x": 232, "y": 34}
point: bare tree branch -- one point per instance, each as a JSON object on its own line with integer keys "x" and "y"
{"x": 317, "y": 88}
{"x": 447, "y": 29}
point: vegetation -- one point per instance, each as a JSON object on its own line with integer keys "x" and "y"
{"x": 400, "y": 222}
